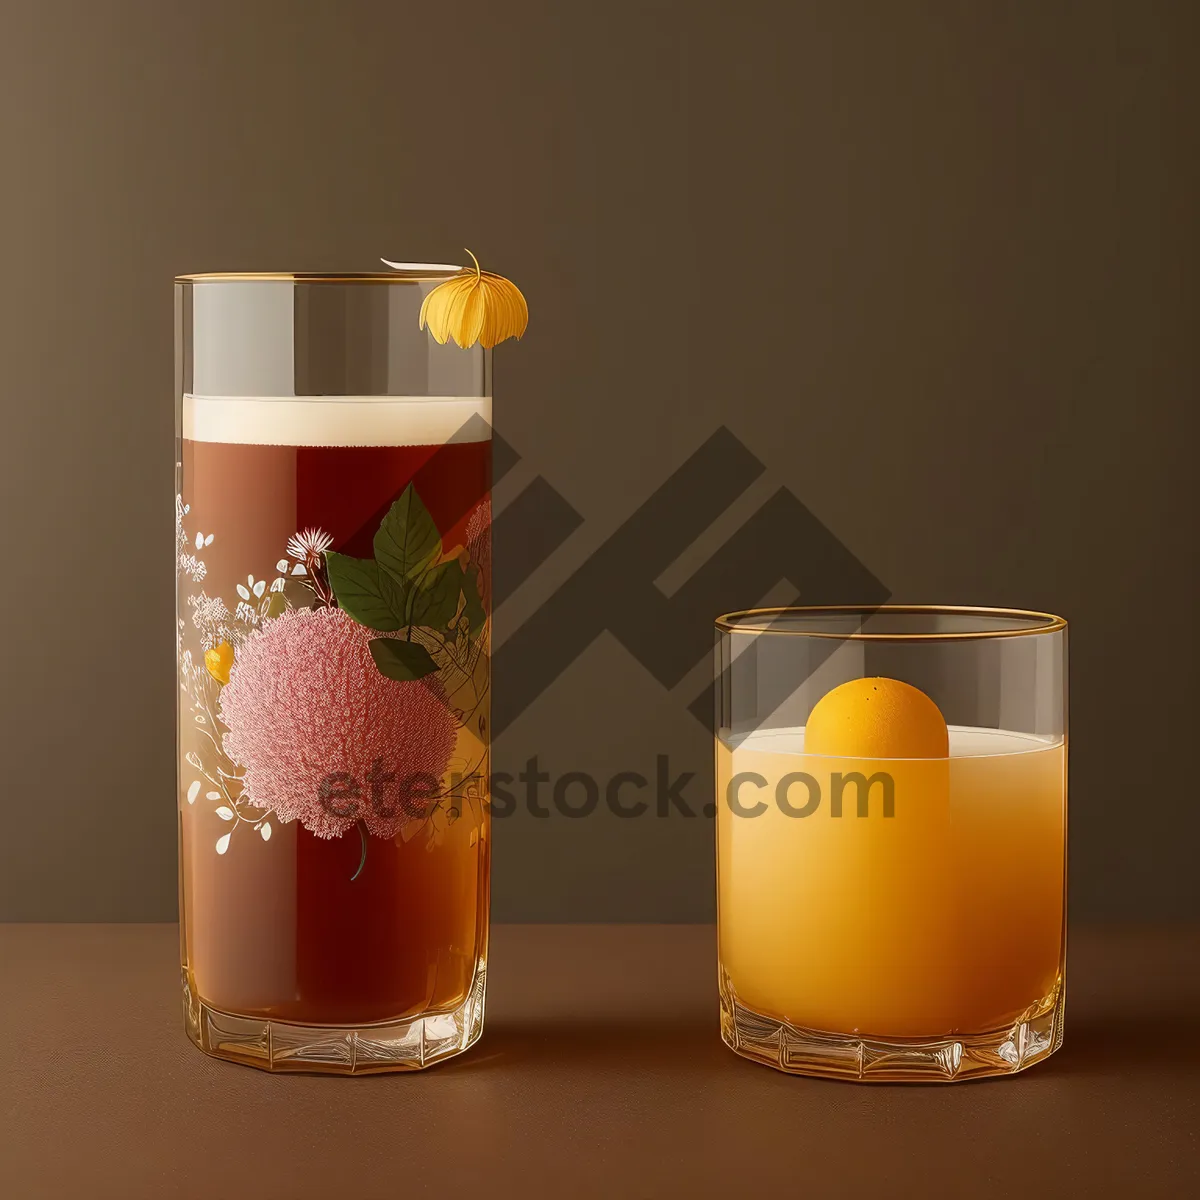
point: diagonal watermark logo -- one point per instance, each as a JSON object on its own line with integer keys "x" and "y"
{"x": 614, "y": 589}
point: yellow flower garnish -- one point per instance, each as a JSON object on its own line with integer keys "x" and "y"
{"x": 219, "y": 661}
{"x": 475, "y": 306}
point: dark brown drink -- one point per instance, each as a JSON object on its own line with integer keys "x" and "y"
{"x": 334, "y": 707}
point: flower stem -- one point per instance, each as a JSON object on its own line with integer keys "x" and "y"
{"x": 362, "y": 862}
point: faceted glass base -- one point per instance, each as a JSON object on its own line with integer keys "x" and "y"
{"x": 867, "y": 1059}
{"x": 407, "y": 1045}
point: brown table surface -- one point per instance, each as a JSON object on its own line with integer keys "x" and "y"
{"x": 600, "y": 1073}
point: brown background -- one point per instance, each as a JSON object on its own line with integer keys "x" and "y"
{"x": 932, "y": 262}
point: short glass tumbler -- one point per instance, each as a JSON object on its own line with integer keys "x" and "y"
{"x": 332, "y": 556}
{"x": 891, "y": 839}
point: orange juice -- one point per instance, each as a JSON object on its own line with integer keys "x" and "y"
{"x": 930, "y": 905}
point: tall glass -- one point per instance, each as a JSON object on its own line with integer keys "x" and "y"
{"x": 332, "y": 553}
{"x": 891, "y": 839}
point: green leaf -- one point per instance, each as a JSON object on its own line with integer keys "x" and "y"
{"x": 408, "y": 541}
{"x": 276, "y": 605}
{"x": 435, "y": 598}
{"x": 474, "y": 605}
{"x": 404, "y": 661}
{"x": 368, "y": 594}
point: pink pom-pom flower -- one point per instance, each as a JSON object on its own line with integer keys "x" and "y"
{"x": 326, "y": 739}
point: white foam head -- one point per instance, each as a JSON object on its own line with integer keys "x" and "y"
{"x": 337, "y": 420}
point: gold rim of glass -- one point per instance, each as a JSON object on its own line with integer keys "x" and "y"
{"x": 412, "y": 273}
{"x": 768, "y": 621}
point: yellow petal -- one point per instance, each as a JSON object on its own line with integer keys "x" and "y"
{"x": 475, "y": 306}
{"x": 492, "y": 315}
{"x": 435, "y": 310}
{"x": 425, "y": 309}
{"x": 219, "y": 661}
{"x": 507, "y": 304}
{"x": 466, "y": 314}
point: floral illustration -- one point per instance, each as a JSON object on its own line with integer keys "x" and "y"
{"x": 186, "y": 563}
{"x": 334, "y": 693}
{"x": 325, "y": 738}
{"x": 217, "y": 779}
{"x": 307, "y": 547}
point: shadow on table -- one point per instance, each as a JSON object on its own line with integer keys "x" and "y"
{"x": 1128, "y": 1044}
{"x": 1120, "y": 1044}
{"x": 675, "y": 1044}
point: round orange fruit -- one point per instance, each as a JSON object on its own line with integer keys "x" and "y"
{"x": 876, "y": 718}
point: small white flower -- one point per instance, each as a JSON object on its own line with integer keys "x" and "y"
{"x": 192, "y": 567}
{"x": 309, "y": 544}
{"x": 298, "y": 569}
{"x": 208, "y": 609}
{"x": 209, "y": 615}
{"x": 282, "y": 565}
{"x": 245, "y": 612}
{"x": 243, "y": 591}
{"x": 259, "y": 588}
{"x": 278, "y": 585}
